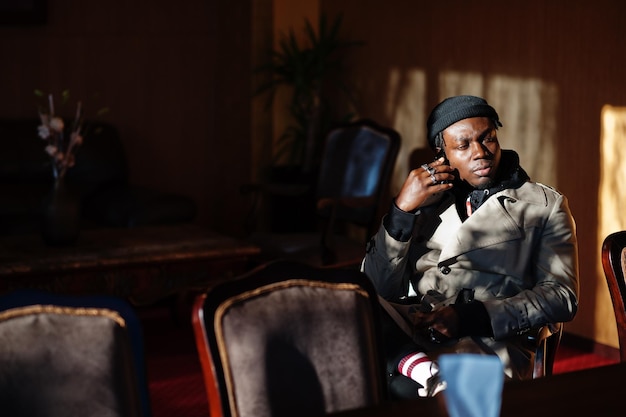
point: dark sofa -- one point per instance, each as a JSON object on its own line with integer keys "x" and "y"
{"x": 100, "y": 178}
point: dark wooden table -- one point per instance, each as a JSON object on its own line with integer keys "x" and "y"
{"x": 590, "y": 392}
{"x": 141, "y": 264}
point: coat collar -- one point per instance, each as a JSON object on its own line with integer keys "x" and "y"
{"x": 500, "y": 219}
{"x": 510, "y": 176}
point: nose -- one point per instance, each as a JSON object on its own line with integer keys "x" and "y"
{"x": 479, "y": 150}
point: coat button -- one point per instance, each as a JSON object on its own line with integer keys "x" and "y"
{"x": 444, "y": 270}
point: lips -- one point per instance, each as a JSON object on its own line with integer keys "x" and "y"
{"x": 483, "y": 171}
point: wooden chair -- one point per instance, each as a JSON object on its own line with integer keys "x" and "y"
{"x": 71, "y": 355}
{"x": 351, "y": 191}
{"x": 614, "y": 265}
{"x": 288, "y": 339}
{"x": 548, "y": 339}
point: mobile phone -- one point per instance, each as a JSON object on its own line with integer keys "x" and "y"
{"x": 442, "y": 154}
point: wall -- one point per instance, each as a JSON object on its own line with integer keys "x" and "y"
{"x": 564, "y": 57}
{"x": 177, "y": 79}
{"x": 175, "y": 75}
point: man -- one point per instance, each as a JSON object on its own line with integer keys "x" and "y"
{"x": 494, "y": 254}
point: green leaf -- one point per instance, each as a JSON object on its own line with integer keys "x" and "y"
{"x": 311, "y": 69}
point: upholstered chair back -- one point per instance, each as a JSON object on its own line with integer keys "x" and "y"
{"x": 70, "y": 356}
{"x": 290, "y": 340}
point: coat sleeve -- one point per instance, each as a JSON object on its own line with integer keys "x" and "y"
{"x": 386, "y": 264}
{"x": 554, "y": 297}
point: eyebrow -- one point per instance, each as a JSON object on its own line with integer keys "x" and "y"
{"x": 481, "y": 136}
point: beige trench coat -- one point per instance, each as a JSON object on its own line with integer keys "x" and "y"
{"x": 518, "y": 252}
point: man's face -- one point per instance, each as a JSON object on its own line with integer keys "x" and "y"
{"x": 472, "y": 147}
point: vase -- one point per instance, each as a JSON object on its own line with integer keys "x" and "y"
{"x": 60, "y": 225}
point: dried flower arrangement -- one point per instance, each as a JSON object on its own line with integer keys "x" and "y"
{"x": 62, "y": 142}
{"x": 52, "y": 129}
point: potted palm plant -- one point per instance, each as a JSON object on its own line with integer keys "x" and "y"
{"x": 312, "y": 73}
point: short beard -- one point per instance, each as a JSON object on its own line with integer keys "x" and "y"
{"x": 486, "y": 185}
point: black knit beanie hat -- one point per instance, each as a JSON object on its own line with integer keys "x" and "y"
{"x": 453, "y": 109}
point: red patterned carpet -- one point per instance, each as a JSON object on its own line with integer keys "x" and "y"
{"x": 175, "y": 376}
{"x": 569, "y": 359}
{"x": 174, "y": 373}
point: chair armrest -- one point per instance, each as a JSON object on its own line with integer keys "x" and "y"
{"x": 546, "y": 339}
{"x": 539, "y": 334}
{"x": 327, "y": 209}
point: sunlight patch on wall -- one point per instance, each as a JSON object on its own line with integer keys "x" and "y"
{"x": 406, "y": 100}
{"x": 612, "y": 188}
{"x": 611, "y": 202}
{"x": 527, "y": 108}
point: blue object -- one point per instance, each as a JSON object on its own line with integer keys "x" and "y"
{"x": 473, "y": 384}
